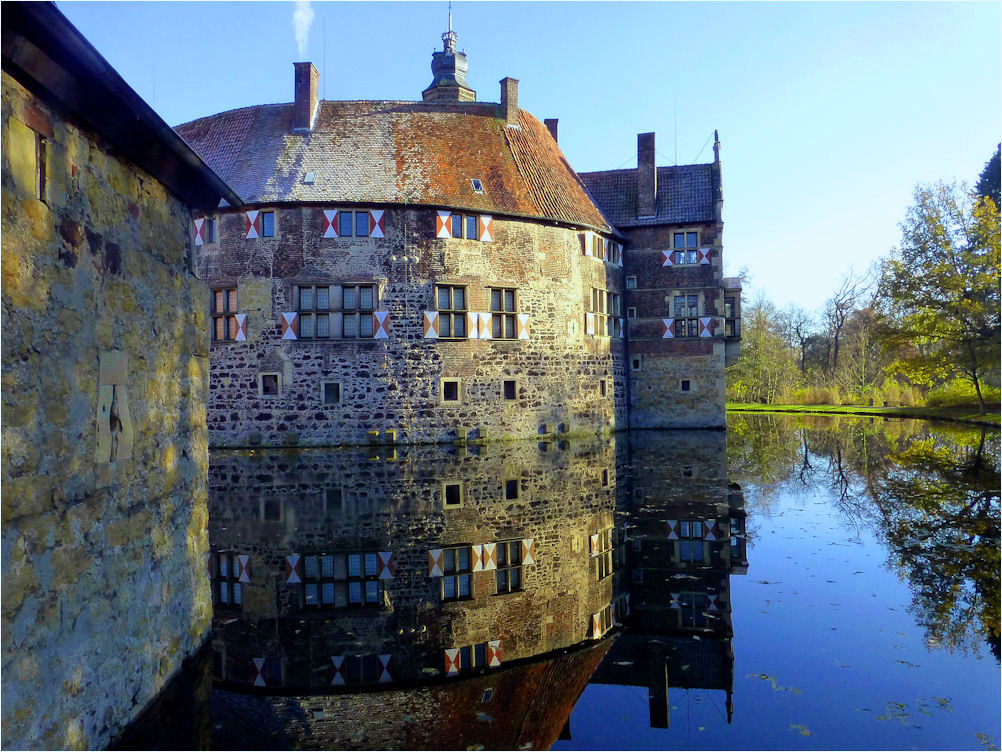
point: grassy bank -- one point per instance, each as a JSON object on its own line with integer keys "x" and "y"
{"x": 967, "y": 414}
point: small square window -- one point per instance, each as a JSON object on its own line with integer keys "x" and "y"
{"x": 605, "y": 477}
{"x": 268, "y": 224}
{"x": 332, "y": 393}
{"x": 602, "y": 388}
{"x": 685, "y": 385}
{"x": 452, "y": 494}
{"x": 450, "y": 390}
{"x": 478, "y": 187}
{"x": 268, "y": 384}
{"x": 631, "y": 313}
{"x": 511, "y": 489}
{"x": 635, "y": 364}
{"x": 510, "y": 389}
{"x": 687, "y": 471}
{"x": 631, "y": 283}
{"x": 309, "y": 178}
{"x": 488, "y": 695}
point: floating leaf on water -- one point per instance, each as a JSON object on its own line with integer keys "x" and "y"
{"x": 624, "y": 663}
{"x": 475, "y": 747}
{"x": 986, "y": 741}
{"x": 484, "y": 718}
{"x": 702, "y": 728}
{"x": 801, "y": 729}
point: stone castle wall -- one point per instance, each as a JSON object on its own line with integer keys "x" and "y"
{"x": 394, "y": 384}
{"x": 658, "y": 365}
{"x": 105, "y": 376}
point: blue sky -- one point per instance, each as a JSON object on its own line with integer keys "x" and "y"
{"x": 829, "y": 113}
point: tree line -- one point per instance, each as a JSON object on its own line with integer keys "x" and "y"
{"x": 921, "y": 326}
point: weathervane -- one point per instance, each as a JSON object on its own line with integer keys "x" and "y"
{"x": 450, "y": 37}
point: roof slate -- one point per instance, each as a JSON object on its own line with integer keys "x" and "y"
{"x": 684, "y": 194}
{"x": 396, "y": 152}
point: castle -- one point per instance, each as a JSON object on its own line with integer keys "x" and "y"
{"x": 432, "y": 271}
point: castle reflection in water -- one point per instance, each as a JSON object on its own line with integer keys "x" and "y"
{"x": 448, "y": 597}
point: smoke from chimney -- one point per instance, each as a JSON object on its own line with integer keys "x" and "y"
{"x": 302, "y": 19}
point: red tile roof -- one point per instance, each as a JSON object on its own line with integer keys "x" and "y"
{"x": 396, "y": 153}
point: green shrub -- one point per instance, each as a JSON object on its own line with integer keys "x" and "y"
{"x": 816, "y": 395}
{"x": 960, "y": 393}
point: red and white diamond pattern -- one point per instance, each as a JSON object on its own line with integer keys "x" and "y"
{"x": 478, "y": 558}
{"x": 241, "y": 327}
{"x": 289, "y": 325}
{"x": 338, "y": 678}
{"x": 431, "y": 324}
{"x": 666, "y": 258}
{"x": 668, "y": 331}
{"x": 436, "y": 562}
{"x": 381, "y": 324}
{"x": 386, "y": 565}
{"x": 523, "y": 326}
{"x": 330, "y": 223}
{"x": 443, "y": 224}
{"x": 493, "y": 653}
{"x": 243, "y": 568}
{"x": 200, "y": 231}
{"x": 258, "y": 672}
{"x": 674, "y": 602}
{"x": 528, "y": 551}
{"x": 384, "y": 669}
{"x": 377, "y": 223}
{"x": 451, "y": 661}
{"x": 705, "y": 327}
{"x": 293, "y": 569}
{"x": 704, "y": 255}
{"x": 672, "y": 529}
{"x": 484, "y": 228}
{"x": 253, "y": 224}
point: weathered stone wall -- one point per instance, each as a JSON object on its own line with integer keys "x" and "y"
{"x": 105, "y": 370}
{"x": 658, "y": 365}
{"x": 271, "y": 504}
{"x": 394, "y": 383}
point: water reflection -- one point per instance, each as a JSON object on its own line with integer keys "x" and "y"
{"x": 335, "y": 572}
{"x": 931, "y": 492}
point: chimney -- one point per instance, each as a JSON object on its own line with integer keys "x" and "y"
{"x": 509, "y": 100}
{"x": 718, "y": 184}
{"x": 647, "y": 176}
{"x": 551, "y": 126}
{"x": 307, "y": 88}
{"x": 716, "y": 147}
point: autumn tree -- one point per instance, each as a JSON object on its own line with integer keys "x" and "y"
{"x": 940, "y": 289}
{"x": 767, "y": 366}
{"x": 989, "y": 183}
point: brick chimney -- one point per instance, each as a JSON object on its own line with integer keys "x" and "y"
{"x": 551, "y": 126}
{"x": 647, "y": 176}
{"x": 307, "y": 90}
{"x": 718, "y": 184}
{"x": 509, "y": 100}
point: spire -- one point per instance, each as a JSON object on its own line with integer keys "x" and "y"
{"x": 448, "y": 69}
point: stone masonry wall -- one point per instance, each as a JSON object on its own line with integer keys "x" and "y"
{"x": 658, "y": 366}
{"x": 394, "y": 383}
{"x": 105, "y": 377}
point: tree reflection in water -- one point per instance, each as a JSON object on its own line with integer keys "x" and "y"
{"x": 930, "y": 491}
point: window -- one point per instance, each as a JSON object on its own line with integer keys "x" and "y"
{"x": 209, "y": 228}
{"x": 361, "y": 669}
{"x": 269, "y": 384}
{"x": 478, "y": 187}
{"x": 605, "y": 478}
{"x": 41, "y": 161}
{"x": 471, "y": 226}
{"x": 362, "y": 224}
{"x": 464, "y": 226}
{"x": 451, "y": 391}
{"x": 451, "y": 301}
{"x": 313, "y": 303}
{"x": 601, "y": 553}
{"x": 686, "y": 309}
{"x": 606, "y": 307}
{"x": 471, "y": 658}
{"x": 267, "y": 224}
{"x": 631, "y": 312}
{"x": 635, "y": 364}
{"x": 605, "y": 622}
{"x": 631, "y": 283}
{"x": 693, "y": 606}
{"x": 685, "y": 385}
{"x": 227, "y": 589}
{"x": 729, "y": 323}
{"x": 509, "y": 572}
{"x": 690, "y": 541}
{"x": 729, "y": 308}
{"x": 457, "y": 582}
{"x": 224, "y": 320}
{"x": 503, "y": 313}
{"x": 341, "y": 580}
{"x": 509, "y": 390}
{"x": 511, "y": 489}
{"x": 331, "y": 392}
{"x": 357, "y": 304}
{"x": 602, "y": 388}
{"x": 452, "y": 494}
{"x": 685, "y": 244}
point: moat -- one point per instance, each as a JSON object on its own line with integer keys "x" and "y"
{"x": 791, "y": 583}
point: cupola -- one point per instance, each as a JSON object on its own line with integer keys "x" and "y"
{"x": 448, "y": 69}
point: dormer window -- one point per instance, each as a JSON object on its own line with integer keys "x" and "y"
{"x": 478, "y": 187}
{"x": 309, "y": 178}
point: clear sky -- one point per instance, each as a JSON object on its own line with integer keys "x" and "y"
{"x": 829, "y": 113}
